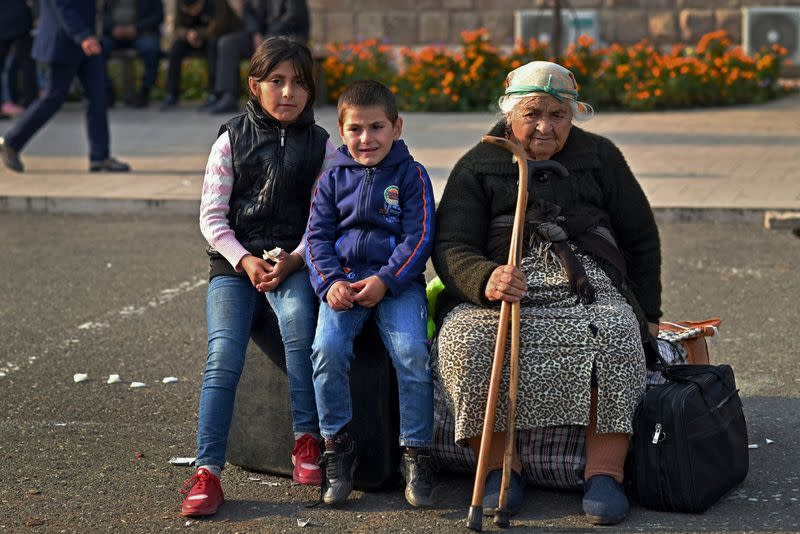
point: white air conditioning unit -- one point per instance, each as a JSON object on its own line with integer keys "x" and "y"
{"x": 538, "y": 24}
{"x": 764, "y": 26}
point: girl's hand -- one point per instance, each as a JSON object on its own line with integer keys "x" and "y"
{"x": 506, "y": 283}
{"x": 369, "y": 291}
{"x": 257, "y": 269}
{"x": 282, "y": 269}
{"x": 340, "y": 296}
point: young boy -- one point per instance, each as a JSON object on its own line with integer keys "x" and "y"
{"x": 369, "y": 235}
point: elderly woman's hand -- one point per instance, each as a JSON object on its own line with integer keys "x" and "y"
{"x": 506, "y": 283}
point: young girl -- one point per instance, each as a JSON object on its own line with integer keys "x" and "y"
{"x": 256, "y": 196}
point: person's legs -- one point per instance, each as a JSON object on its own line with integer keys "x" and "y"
{"x": 231, "y": 49}
{"x": 295, "y": 305}
{"x": 109, "y": 44}
{"x": 231, "y": 304}
{"x": 149, "y": 50}
{"x": 402, "y": 322}
{"x": 211, "y": 60}
{"x": 92, "y": 75}
{"x": 604, "y": 501}
{"x": 332, "y": 352}
{"x": 27, "y": 69}
{"x": 59, "y": 78}
{"x": 177, "y": 53}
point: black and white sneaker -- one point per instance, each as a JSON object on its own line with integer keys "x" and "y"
{"x": 418, "y": 470}
{"x": 338, "y": 463}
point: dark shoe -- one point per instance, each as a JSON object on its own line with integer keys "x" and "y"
{"x": 109, "y": 165}
{"x": 142, "y": 99}
{"x": 171, "y": 102}
{"x": 203, "y": 494}
{"x": 10, "y": 157}
{"x": 604, "y": 501}
{"x": 418, "y": 472}
{"x": 491, "y": 495}
{"x": 226, "y": 104}
{"x": 208, "y": 103}
{"x": 338, "y": 462}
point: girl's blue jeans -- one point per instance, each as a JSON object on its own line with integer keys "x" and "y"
{"x": 232, "y": 304}
{"x": 402, "y": 323}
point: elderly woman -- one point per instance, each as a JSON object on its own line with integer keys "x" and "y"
{"x": 582, "y": 359}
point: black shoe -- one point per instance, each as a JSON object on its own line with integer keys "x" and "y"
{"x": 227, "y": 103}
{"x": 109, "y": 165}
{"x": 170, "y": 102}
{"x": 208, "y": 103}
{"x": 142, "y": 99}
{"x": 10, "y": 157}
{"x": 338, "y": 463}
{"x": 604, "y": 501}
{"x": 418, "y": 472}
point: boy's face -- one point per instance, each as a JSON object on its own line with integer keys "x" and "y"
{"x": 368, "y": 133}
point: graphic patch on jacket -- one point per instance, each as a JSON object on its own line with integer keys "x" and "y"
{"x": 391, "y": 209}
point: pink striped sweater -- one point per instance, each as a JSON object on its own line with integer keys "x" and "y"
{"x": 215, "y": 202}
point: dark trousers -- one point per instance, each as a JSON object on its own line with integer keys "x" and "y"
{"x": 149, "y": 50}
{"x": 22, "y": 49}
{"x": 179, "y": 51}
{"x": 231, "y": 49}
{"x": 92, "y": 75}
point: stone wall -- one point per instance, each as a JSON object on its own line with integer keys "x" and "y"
{"x": 417, "y": 22}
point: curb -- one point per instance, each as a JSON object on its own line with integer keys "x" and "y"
{"x": 98, "y": 206}
{"x": 768, "y": 218}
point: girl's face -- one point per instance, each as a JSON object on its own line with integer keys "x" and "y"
{"x": 541, "y": 124}
{"x": 281, "y": 94}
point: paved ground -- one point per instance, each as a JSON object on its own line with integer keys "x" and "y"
{"x": 88, "y": 293}
{"x": 731, "y": 163}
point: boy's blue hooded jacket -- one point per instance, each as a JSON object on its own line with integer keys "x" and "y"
{"x": 370, "y": 220}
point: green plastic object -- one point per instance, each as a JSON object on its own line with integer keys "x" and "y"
{"x": 432, "y": 291}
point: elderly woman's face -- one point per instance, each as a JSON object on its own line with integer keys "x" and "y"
{"x": 541, "y": 125}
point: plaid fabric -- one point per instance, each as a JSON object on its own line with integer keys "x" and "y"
{"x": 552, "y": 457}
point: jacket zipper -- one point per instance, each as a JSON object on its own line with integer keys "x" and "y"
{"x": 366, "y": 190}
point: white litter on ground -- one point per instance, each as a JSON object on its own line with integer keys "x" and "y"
{"x": 182, "y": 460}
{"x": 769, "y": 441}
{"x": 138, "y": 384}
{"x": 113, "y": 379}
{"x": 303, "y": 522}
{"x": 169, "y": 380}
{"x": 253, "y": 479}
{"x": 268, "y": 483}
{"x": 79, "y": 377}
{"x": 752, "y": 446}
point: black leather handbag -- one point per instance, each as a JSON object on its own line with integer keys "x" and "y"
{"x": 689, "y": 439}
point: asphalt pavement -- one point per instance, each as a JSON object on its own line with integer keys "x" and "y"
{"x": 106, "y": 274}
{"x": 105, "y": 293}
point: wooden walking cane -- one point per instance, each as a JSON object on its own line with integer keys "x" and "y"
{"x": 507, "y": 309}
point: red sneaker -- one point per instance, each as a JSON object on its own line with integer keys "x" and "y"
{"x": 203, "y": 494}
{"x": 305, "y": 458}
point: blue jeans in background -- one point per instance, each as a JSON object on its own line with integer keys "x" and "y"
{"x": 402, "y": 323}
{"x": 232, "y": 304}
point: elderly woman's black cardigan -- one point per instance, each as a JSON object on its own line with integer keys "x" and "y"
{"x": 483, "y": 185}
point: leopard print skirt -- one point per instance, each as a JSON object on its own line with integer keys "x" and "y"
{"x": 560, "y": 343}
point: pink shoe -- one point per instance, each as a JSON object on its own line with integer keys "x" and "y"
{"x": 305, "y": 458}
{"x": 10, "y": 108}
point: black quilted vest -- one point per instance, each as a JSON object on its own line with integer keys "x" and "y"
{"x": 274, "y": 170}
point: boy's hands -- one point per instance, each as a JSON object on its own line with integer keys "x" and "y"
{"x": 369, "y": 291}
{"x": 340, "y": 296}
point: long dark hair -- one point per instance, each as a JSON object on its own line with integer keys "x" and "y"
{"x": 274, "y": 51}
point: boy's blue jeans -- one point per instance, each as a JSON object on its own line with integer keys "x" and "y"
{"x": 232, "y": 304}
{"x": 402, "y": 323}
